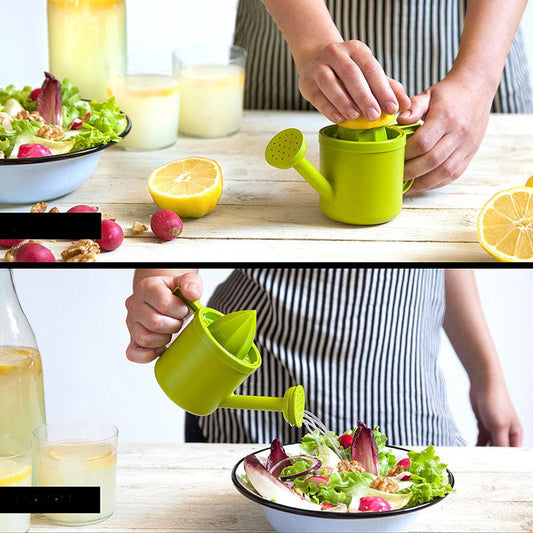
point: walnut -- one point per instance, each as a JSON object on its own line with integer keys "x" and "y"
{"x": 139, "y": 228}
{"x": 82, "y": 251}
{"x": 10, "y": 254}
{"x": 109, "y": 217}
{"x": 34, "y": 116}
{"x": 398, "y": 469}
{"x": 54, "y": 133}
{"x": 39, "y": 207}
{"x": 384, "y": 484}
{"x": 54, "y": 210}
{"x": 352, "y": 466}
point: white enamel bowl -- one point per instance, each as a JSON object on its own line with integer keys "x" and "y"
{"x": 39, "y": 179}
{"x": 291, "y": 520}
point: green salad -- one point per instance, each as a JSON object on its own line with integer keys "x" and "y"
{"x": 353, "y": 472}
{"x": 53, "y": 119}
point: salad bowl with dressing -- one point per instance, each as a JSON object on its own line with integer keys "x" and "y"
{"x": 51, "y": 140}
{"x": 352, "y": 482}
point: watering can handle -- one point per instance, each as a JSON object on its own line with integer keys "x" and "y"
{"x": 409, "y": 130}
{"x": 194, "y": 307}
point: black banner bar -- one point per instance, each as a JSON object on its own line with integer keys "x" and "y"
{"x": 49, "y": 499}
{"x": 72, "y": 226}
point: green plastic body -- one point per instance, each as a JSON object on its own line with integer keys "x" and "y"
{"x": 366, "y": 178}
{"x": 196, "y": 372}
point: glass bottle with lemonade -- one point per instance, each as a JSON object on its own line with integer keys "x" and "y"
{"x": 21, "y": 374}
{"x": 86, "y": 42}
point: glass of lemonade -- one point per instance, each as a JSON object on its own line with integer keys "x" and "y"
{"x": 83, "y": 35}
{"x": 212, "y": 89}
{"x": 15, "y": 471}
{"x": 147, "y": 91}
{"x": 78, "y": 453}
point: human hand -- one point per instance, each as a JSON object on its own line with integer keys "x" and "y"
{"x": 154, "y": 313}
{"x": 454, "y": 126}
{"x": 344, "y": 80}
{"x": 498, "y": 424}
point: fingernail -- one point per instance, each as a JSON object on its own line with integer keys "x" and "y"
{"x": 373, "y": 114}
{"x": 391, "y": 107}
{"x": 353, "y": 114}
{"x": 338, "y": 118}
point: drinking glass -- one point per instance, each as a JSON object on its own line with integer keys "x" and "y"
{"x": 212, "y": 89}
{"x": 147, "y": 91}
{"x": 15, "y": 471}
{"x": 78, "y": 453}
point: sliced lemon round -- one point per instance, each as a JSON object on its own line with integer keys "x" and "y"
{"x": 5, "y": 369}
{"x": 505, "y": 225}
{"x": 79, "y": 452}
{"x": 12, "y": 472}
{"x": 362, "y": 123}
{"x": 529, "y": 182}
{"x": 191, "y": 187}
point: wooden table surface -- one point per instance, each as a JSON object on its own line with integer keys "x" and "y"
{"x": 266, "y": 214}
{"x": 188, "y": 487}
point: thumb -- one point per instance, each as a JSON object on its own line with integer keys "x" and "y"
{"x": 190, "y": 284}
{"x": 419, "y": 108}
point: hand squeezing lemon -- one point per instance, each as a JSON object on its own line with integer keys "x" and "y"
{"x": 190, "y": 187}
{"x": 505, "y": 224}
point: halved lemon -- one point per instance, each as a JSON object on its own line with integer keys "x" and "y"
{"x": 191, "y": 187}
{"x": 529, "y": 182}
{"x": 362, "y": 123}
{"x": 505, "y": 225}
{"x": 12, "y": 473}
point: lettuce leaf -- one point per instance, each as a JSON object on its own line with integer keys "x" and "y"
{"x": 428, "y": 475}
{"x": 20, "y": 127}
{"x": 387, "y": 459}
{"x": 72, "y": 105}
{"x": 22, "y": 96}
{"x": 106, "y": 117}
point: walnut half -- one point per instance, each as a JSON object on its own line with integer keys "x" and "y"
{"x": 82, "y": 251}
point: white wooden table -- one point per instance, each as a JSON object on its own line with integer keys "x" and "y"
{"x": 187, "y": 487}
{"x": 266, "y": 214}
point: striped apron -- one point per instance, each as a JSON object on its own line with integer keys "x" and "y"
{"x": 364, "y": 344}
{"x": 415, "y": 41}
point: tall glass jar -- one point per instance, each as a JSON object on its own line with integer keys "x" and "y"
{"x": 21, "y": 374}
{"x": 87, "y": 42}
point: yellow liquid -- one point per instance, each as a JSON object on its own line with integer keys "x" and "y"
{"x": 14, "y": 521}
{"x": 152, "y": 102}
{"x": 86, "y": 41}
{"x": 80, "y": 463}
{"x": 211, "y": 100}
{"x": 21, "y": 392}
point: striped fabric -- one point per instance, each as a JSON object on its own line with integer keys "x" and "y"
{"x": 394, "y": 30}
{"x": 363, "y": 343}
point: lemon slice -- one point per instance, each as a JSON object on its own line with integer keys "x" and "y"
{"x": 529, "y": 182}
{"x": 79, "y": 452}
{"x": 505, "y": 225}
{"x": 363, "y": 124}
{"x": 6, "y": 369}
{"x": 191, "y": 187}
{"x": 12, "y": 473}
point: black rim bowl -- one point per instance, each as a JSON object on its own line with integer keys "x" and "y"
{"x": 329, "y": 514}
{"x": 69, "y": 155}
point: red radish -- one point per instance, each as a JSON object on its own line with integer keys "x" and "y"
{"x": 319, "y": 480}
{"x": 33, "y": 150}
{"x": 405, "y": 462}
{"x": 112, "y": 236}
{"x": 374, "y": 504}
{"x": 32, "y": 252}
{"x": 76, "y": 124}
{"x": 8, "y": 243}
{"x": 166, "y": 224}
{"x": 326, "y": 505}
{"x": 346, "y": 440}
{"x": 35, "y": 93}
{"x": 82, "y": 209}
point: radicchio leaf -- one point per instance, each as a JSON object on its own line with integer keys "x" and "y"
{"x": 364, "y": 449}
{"x": 277, "y": 454}
{"x": 49, "y": 102}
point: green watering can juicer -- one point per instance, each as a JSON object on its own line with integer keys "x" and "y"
{"x": 211, "y": 357}
{"x": 360, "y": 180}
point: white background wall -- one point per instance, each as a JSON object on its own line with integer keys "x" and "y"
{"x": 164, "y": 24}
{"x": 78, "y": 317}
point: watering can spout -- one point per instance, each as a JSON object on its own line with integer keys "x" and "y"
{"x": 287, "y": 150}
